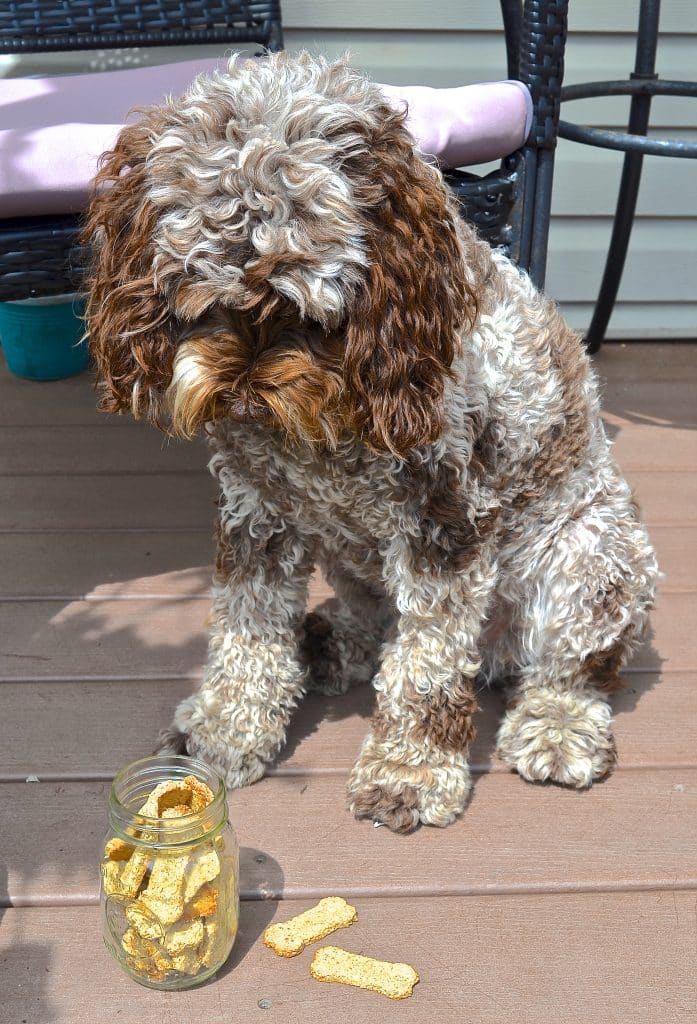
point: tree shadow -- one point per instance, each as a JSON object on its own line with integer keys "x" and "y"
{"x": 25, "y": 965}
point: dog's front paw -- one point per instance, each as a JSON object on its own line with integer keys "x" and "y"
{"x": 563, "y": 737}
{"x": 236, "y": 769}
{"x": 393, "y": 787}
{"x": 338, "y": 653}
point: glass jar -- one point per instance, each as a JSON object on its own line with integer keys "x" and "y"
{"x": 169, "y": 872}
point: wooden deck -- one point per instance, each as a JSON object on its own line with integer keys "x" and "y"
{"x": 541, "y": 906}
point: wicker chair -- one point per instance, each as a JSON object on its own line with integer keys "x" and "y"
{"x": 511, "y": 206}
{"x": 41, "y": 256}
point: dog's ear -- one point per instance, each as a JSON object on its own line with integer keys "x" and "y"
{"x": 131, "y": 331}
{"x": 404, "y": 326}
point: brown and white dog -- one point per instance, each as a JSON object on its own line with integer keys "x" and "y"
{"x": 386, "y": 398}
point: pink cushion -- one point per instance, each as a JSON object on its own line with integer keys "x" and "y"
{"x": 470, "y": 124}
{"x": 54, "y": 129}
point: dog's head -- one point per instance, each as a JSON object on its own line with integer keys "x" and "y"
{"x": 270, "y": 247}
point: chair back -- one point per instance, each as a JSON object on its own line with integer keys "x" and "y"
{"x": 50, "y": 25}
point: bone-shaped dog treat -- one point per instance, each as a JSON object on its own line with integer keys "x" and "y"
{"x": 288, "y": 938}
{"x": 334, "y": 964}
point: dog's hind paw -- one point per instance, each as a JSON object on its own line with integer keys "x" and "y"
{"x": 338, "y": 653}
{"x": 171, "y": 741}
{"x": 566, "y": 737}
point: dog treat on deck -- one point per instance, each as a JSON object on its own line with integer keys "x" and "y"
{"x": 288, "y": 938}
{"x": 334, "y": 964}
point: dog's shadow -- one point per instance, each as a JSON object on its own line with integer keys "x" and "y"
{"x": 329, "y": 729}
{"x": 324, "y": 728}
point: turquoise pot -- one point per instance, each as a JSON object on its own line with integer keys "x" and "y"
{"x": 41, "y": 341}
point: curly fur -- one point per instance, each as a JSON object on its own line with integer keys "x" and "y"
{"x": 386, "y": 398}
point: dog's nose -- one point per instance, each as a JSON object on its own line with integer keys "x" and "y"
{"x": 243, "y": 411}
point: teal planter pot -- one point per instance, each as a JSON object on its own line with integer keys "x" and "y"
{"x": 41, "y": 339}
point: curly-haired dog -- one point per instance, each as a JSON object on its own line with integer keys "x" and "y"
{"x": 386, "y": 398}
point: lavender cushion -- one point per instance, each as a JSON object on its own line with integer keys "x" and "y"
{"x": 54, "y": 129}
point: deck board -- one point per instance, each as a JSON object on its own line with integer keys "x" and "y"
{"x": 137, "y": 501}
{"x": 553, "y": 959}
{"x": 86, "y": 565}
{"x": 114, "y": 638}
{"x": 513, "y": 837}
{"x": 540, "y": 905}
{"x": 89, "y": 729}
{"x": 111, "y": 446}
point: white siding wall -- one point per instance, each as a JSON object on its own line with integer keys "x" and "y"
{"x": 458, "y": 41}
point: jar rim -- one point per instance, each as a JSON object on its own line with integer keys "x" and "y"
{"x": 132, "y": 784}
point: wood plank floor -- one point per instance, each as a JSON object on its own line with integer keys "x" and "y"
{"x": 540, "y": 906}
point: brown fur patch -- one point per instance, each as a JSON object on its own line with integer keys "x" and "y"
{"x": 452, "y": 531}
{"x": 399, "y": 810}
{"x": 131, "y": 329}
{"x": 604, "y": 667}
{"x": 448, "y": 720}
{"x": 250, "y": 548}
{"x": 277, "y": 373}
{"x": 563, "y": 446}
{"x": 402, "y": 331}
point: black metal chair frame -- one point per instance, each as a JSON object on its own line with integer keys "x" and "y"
{"x": 41, "y": 256}
{"x": 642, "y": 86}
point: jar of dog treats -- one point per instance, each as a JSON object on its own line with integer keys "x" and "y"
{"x": 169, "y": 873}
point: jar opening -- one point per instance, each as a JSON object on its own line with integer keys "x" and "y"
{"x": 134, "y": 783}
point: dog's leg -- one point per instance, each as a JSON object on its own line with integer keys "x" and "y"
{"x": 581, "y": 608}
{"x": 255, "y": 676}
{"x": 343, "y": 636}
{"x": 413, "y": 764}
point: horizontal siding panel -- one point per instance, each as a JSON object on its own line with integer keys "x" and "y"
{"x": 632, "y": 321}
{"x": 472, "y": 15}
{"x": 391, "y": 15}
{"x": 586, "y": 181}
{"x": 660, "y": 260}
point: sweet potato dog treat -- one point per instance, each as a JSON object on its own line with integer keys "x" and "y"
{"x": 334, "y": 964}
{"x": 288, "y": 938}
{"x": 175, "y": 902}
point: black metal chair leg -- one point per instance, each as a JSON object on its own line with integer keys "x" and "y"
{"x": 647, "y": 40}
{"x": 619, "y": 243}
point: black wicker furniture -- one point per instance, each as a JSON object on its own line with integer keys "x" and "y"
{"x": 511, "y": 206}
{"x": 41, "y": 256}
